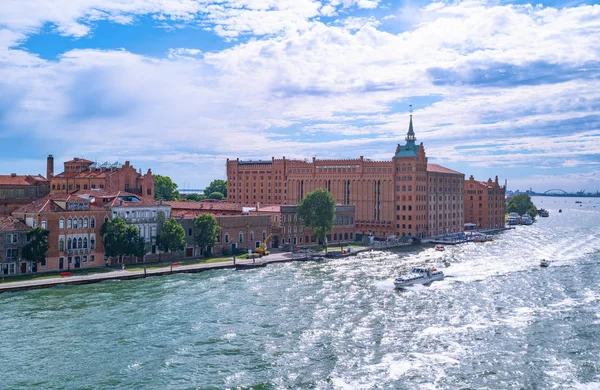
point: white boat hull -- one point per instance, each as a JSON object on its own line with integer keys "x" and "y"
{"x": 408, "y": 281}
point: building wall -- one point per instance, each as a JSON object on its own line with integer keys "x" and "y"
{"x": 11, "y": 252}
{"x": 295, "y": 233}
{"x": 62, "y": 256}
{"x": 484, "y": 203}
{"x": 446, "y": 204}
{"x": 14, "y": 196}
{"x": 243, "y": 232}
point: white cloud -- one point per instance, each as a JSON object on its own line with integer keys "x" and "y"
{"x": 341, "y": 83}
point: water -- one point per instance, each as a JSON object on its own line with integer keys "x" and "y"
{"x": 498, "y": 321}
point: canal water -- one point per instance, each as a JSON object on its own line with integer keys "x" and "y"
{"x": 498, "y": 321}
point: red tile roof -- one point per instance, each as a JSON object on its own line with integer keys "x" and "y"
{"x": 441, "y": 169}
{"x": 10, "y": 224}
{"x": 205, "y": 206}
{"x": 77, "y": 159}
{"x": 21, "y": 180}
{"x": 270, "y": 209}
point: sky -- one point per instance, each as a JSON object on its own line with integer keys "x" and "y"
{"x": 179, "y": 86}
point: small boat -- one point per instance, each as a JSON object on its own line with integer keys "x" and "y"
{"x": 440, "y": 247}
{"x": 544, "y": 213}
{"x": 578, "y": 201}
{"x": 560, "y": 210}
{"x": 419, "y": 275}
{"x": 544, "y": 263}
{"x": 482, "y": 238}
{"x": 245, "y": 266}
{"x": 526, "y": 219}
{"x": 317, "y": 258}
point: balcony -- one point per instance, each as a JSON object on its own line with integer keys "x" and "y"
{"x": 80, "y": 251}
{"x": 141, "y": 220}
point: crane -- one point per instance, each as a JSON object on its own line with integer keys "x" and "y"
{"x": 262, "y": 249}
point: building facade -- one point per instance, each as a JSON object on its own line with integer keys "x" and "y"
{"x": 485, "y": 205}
{"x": 295, "y": 233}
{"x": 18, "y": 190}
{"x": 446, "y": 203}
{"x": 13, "y": 237}
{"x": 74, "y": 224}
{"x": 82, "y": 174}
{"x": 242, "y": 233}
{"x": 390, "y": 197}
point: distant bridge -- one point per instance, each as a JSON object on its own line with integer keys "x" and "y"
{"x": 555, "y": 190}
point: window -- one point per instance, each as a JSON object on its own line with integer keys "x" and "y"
{"x": 75, "y": 225}
{"x": 13, "y": 252}
{"x": 61, "y": 245}
{"x": 80, "y": 223}
{"x": 84, "y": 260}
{"x": 61, "y": 223}
{"x": 92, "y": 243}
{"x": 251, "y": 236}
{"x": 92, "y": 259}
{"x": 241, "y": 238}
{"x": 69, "y": 243}
{"x": 85, "y": 242}
{"x": 79, "y": 243}
{"x": 189, "y": 232}
{"x": 12, "y": 238}
{"x": 92, "y": 222}
{"x": 44, "y": 223}
{"x": 85, "y": 223}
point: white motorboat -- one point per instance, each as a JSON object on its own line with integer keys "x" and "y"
{"x": 544, "y": 263}
{"x": 419, "y": 275}
{"x": 439, "y": 247}
{"x": 526, "y": 219}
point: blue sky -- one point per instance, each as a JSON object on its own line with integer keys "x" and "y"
{"x": 179, "y": 86}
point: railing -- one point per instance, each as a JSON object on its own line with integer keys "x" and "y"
{"x": 141, "y": 220}
{"x": 79, "y": 251}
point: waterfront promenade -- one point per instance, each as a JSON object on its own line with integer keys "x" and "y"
{"x": 278, "y": 257}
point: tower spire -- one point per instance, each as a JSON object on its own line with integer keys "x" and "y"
{"x": 410, "y": 136}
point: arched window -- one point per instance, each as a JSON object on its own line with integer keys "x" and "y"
{"x": 69, "y": 243}
{"x": 75, "y": 224}
{"x": 241, "y": 237}
{"x": 44, "y": 223}
{"x": 92, "y": 222}
{"x": 85, "y": 223}
{"x": 79, "y": 243}
{"x": 226, "y": 237}
{"x": 69, "y": 223}
{"x": 85, "y": 242}
{"x": 61, "y": 245}
{"x": 61, "y": 223}
{"x": 264, "y": 235}
{"x": 80, "y": 223}
{"x": 92, "y": 243}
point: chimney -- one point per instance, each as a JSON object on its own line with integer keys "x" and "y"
{"x": 50, "y": 167}
{"x": 13, "y": 175}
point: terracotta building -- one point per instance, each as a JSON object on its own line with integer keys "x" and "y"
{"x": 74, "y": 223}
{"x": 484, "y": 203}
{"x": 446, "y": 204}
{"x": 13, "y": 236}
{"x": 82, "y": 174}
{"x": 18, "y": 190}
{"x": 212, "y": 207}
{"x": 390, "y": 197}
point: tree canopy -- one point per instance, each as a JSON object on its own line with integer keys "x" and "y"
{"x": 36, "y": 248}
{"x": 164, "y": 188}
{"x": 216, "y": 186}
{"x": 171, "y": 237}
{"x": 121, "y": 239}
{"x": 195, "y": 197}
{"x": 216, "y": 195}
{"x": 522, "y": 204}
{"x": 206, "y": 231}
{"x": 317, "y": 210}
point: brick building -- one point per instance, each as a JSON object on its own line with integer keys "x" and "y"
{"x": 485, "y": 203}
{"x": 212, "y": 207}
{"x": 74, "y": 223}
{"x": 82, "y": 174}
{"x": 390, "y": 197}
{"x": 446, "y": 204}
{"x": 18, "y": 190}
{"x": 13, "y": 237}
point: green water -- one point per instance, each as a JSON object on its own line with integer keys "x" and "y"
{"x": 498, "y": 321}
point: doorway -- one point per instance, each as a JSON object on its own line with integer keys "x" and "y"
{"x": 77, "y": 262}
{"x": 23, "y": 268}
{"x": 61, "y": 263}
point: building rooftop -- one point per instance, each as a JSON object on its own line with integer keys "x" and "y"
{"x": 441, "y": 169}
{"x": 205, "y": 206}
{"x": 10, "y": 224}
{"x": 21, "y": 180}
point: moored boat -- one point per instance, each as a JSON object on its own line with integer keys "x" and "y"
{"x": 440, "y": 247}
{"x": 419, "y": 275}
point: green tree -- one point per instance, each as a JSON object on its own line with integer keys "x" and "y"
{"x": 164, "y": 188}
{"x": 522, "y": 204}
{"x": 195, "y": 197}
{"x": 206, "y": 231}
{"x": 36, "y": 248}
{"x": 172, "y": 236}
{"x": 122, "y": 240}
{"x": 216, "y": 195}
{"x": 216, "y": 186}
{"x": 317, "y": 210}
